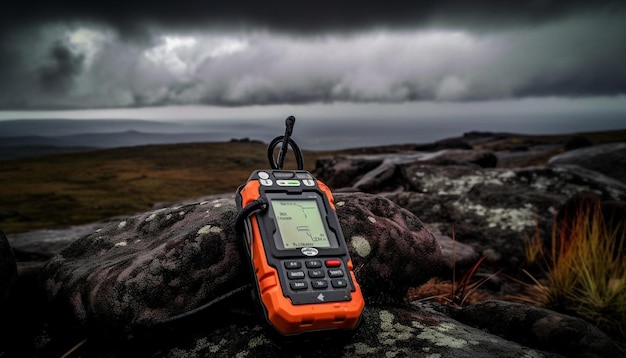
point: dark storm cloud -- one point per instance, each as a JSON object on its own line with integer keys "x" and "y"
{"x": 63, "y": 65}
{"x": 132, "y": 54}
{"x": 300, "y": 16}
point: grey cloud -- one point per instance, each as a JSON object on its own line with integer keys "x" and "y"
{"x": 575, "y": 54}
{"x": 63, "y": 65}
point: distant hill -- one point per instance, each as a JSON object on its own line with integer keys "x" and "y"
{"x": 128, "y": 138}
{"x": 31, "y": 137}
{"x": 28, "y": 138}
{"x": 22, "y": 147}
{"x": 64, "y": 127}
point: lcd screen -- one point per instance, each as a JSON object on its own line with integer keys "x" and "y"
{"x": 300, "y": 223}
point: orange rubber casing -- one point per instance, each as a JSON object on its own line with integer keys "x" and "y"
{"x": 287, "y": 318}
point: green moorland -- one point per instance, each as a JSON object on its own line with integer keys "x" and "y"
{"x": 76, "y": 188}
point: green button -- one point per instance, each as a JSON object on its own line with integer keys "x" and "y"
{"x": 288, "y": 182}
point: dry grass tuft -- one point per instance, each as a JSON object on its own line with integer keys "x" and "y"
{"x": 586, "y": 270}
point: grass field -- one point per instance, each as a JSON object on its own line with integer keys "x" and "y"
{"x": 67, "y": 189}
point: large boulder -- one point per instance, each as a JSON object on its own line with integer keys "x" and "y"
{"x": 381, "y": 172}
{"x": 608, "y": 159}
{"x": 147, "y": 268}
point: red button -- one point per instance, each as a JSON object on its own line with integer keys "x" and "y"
{"x": 333, "y": 263}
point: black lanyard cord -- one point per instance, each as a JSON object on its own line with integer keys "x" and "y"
{"x": 286, "y": 143}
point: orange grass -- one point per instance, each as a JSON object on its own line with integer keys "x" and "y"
{"x": 466, "y": 291}
{"x": 586, "y": 269}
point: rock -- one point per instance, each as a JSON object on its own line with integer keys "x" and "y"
{"x": 147, "y": 268}
{"x": 8, "y": 271}
{"x": 390, "y": 247}
{"x": 455, "y": 254}
{"x": 527, "y": 155}
{"x": 449, "y": 143}
{"x": 41, "y": 245}
{"x": 577, "y": 142}
{"x": 496, "y": 210}
{"x": 418, "y": 330}
{"x": 382, "y": 172}
{"x": 341, "y": 171}
{"x": 539, "y": 328}
{"x": 608, "y": 159}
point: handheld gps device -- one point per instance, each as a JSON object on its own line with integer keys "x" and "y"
{"x": 303, "y": 275}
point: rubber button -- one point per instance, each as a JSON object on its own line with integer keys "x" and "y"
{"x": 290, "y": 265}
{"x": 316, "y": 273}
{"x": 333, "y": 263}
{"x": 313, "y": 264}
{"x": 298, "y": 285}
{"x": 339, "y": 282}
{"x": 295, "y": 275}
{"x": 335, "y": 273}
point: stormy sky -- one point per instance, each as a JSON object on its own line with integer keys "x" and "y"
{"x": 234, "y": 54}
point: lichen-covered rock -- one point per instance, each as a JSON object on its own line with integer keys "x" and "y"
{"x": 145, "y": 269}
{"x": 496, "y": 210}
{"x": 148, "y": 267}
{"x": 388, "y": 331}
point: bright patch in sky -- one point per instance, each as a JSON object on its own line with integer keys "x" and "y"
{"x": 86, "y": 42}
{"x": 172, "y": 53}
{"x": 227, "y": 46}
{"x": 183, "y": 54}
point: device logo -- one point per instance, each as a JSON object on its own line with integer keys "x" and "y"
{"x": 309, "y": 251}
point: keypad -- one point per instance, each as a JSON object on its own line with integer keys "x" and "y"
{"x": 317, "y": 280}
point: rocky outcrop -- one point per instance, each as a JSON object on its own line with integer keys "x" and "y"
{"x": 494, "y": 210}
{"x": 171, "y": 282}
